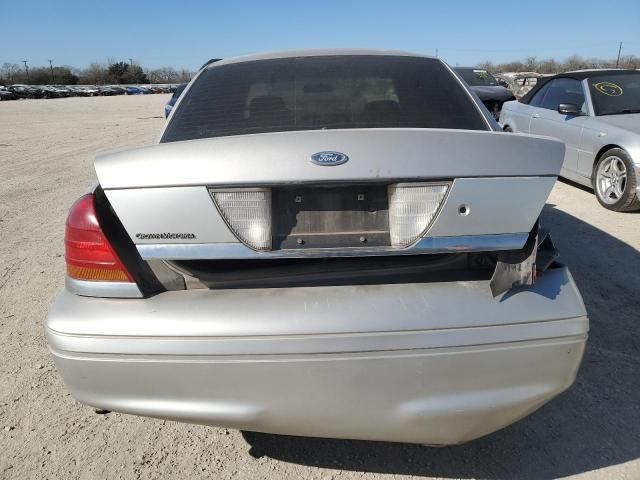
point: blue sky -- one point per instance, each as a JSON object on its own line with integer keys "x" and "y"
{"x": 185, "y": 34}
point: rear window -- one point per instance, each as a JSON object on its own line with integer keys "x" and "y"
{"x": 617, "y": 93}
{"x": 477, "y": 77}
{"x": 324, "y": 92}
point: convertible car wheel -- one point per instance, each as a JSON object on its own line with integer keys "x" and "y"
{"x": 615, "y": 182}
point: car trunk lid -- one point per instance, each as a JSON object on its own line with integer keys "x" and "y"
{"x": 484, "y": 191}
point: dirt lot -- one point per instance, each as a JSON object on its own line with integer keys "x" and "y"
{"x": 46, "y": 151}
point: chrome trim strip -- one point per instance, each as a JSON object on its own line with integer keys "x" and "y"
{"x": 102, "y": 289}
{"x": 203, "y": 251}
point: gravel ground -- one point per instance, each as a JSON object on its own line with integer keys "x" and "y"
{"x": 46, "y": 151}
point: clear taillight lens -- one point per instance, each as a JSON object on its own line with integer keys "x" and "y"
{"x": 412, "y": 207}
{"x": 248, "y": 213}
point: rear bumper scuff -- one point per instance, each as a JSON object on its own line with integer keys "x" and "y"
{"x": 427, "y": 363}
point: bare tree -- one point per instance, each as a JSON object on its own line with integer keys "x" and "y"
{"x": 94, "y": 74}
{"x": 488, "y": 65}
{"x": 9, "y": 72}
{"x": 163, "y": 75}
{"x": 550, "y": 65}
{"x": 531, "y": 64}
{"x": 185, "y": 76}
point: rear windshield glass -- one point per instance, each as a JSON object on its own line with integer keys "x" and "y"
{"x": 477, "y": 77}
{"x": 324, "y": 92}
{"x": 616, "y": 94}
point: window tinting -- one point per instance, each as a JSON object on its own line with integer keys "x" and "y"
{"x": 477, "y": 77}
{"x": 537, "y": 99}
{"x": 563, "y": 90}
{"x": 324, "y": 92}
{"x": 616, "y": 94}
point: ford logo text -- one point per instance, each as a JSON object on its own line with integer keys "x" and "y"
{"x": 329, "y": 158}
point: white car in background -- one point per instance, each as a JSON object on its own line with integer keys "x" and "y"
{"x": 597, "y": 114}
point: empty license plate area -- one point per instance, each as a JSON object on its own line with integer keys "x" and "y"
{"x": 330, "y": 217}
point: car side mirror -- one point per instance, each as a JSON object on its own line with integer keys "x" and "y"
{"x": 569, "y": 109}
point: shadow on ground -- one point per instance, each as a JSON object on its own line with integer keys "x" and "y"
{"x": 593, "y": 425}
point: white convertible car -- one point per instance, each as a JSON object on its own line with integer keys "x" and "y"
{"x": 597, "y": 114}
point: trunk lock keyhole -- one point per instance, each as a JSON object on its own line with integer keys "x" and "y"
{"x": 464, "y": 210}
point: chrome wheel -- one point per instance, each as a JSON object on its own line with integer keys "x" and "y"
{"x": 611, "y": 180}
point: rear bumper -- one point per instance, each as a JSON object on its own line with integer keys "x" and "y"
{"x": 426, "y": 363}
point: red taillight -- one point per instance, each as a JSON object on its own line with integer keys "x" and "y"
{"x": 87, "y": 251}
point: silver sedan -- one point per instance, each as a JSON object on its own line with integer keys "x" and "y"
{"x": 324, "y": 243}
{"x": 597, "y": 114}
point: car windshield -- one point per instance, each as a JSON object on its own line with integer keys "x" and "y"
{"x": 477, "y": 77}
{"x": 323, "y": 92}
{"x": 614, "y": 94}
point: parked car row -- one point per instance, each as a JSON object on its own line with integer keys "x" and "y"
{"x": 18, "y": 91}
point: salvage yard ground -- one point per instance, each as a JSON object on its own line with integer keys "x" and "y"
{"x": 46, "y": 154}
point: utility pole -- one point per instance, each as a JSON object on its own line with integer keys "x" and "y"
{"x": 131, "y": 61}
{"x": 436, "y": 52}
{"x": 26, "y": 67}
{"x": 51, "y": 68}
{"x": 619, "y": 50}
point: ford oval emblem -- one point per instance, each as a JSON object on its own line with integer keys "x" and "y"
{"x": 329, "y": 159}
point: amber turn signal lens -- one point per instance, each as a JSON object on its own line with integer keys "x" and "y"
{"x": 88, "y": 253}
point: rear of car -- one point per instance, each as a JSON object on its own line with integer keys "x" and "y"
{"x": 487, "y": 88}
{"x": 330, "y": 244}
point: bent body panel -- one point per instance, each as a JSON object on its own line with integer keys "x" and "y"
{"x": 430, "y": 363}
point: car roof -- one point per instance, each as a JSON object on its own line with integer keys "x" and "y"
{"x": 582, "y": 74}
{"x": 576, "y": 75}
{"x": 313, "y": 53}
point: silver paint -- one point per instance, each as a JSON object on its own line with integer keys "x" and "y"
{"x": 374, "y": 155}
{"x": 238, "y": 374}
{"x": 102, "y": 289}
{"x": 585, "y": 136}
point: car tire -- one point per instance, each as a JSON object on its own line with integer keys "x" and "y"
{"x": 615, "y": 182}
